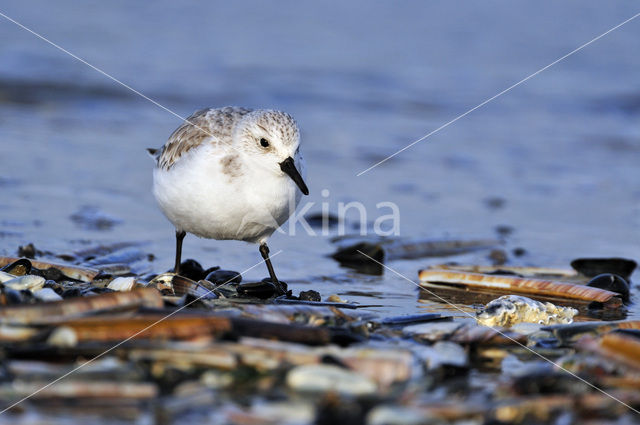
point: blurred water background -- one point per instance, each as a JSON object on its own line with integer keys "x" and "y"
{"x": 556, "y": 159}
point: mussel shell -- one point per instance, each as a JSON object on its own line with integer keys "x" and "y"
{"x": 611, "y": 282}
{"x": 192, "y": 270}
{"x": 221, "y": 277}
{"x": 19, "y": 267}
{"x": 592, "y": 267}
{"x": 262, "y": 290}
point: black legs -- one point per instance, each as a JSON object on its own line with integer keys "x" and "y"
{"x": 179, "y": 237}
{"x": 264, "y": 250}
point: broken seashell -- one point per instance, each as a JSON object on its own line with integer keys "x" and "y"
{"x": 30, "y": 282}
{"x": 509, "y": 310}
{"x": 122, "y": 284}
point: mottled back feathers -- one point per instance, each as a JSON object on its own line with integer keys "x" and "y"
{"x": 215, "y": 125}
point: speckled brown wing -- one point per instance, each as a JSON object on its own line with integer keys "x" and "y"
{"x": 206, "y": 124}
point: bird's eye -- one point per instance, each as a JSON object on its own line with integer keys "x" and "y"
{"x": 264, "y": 143}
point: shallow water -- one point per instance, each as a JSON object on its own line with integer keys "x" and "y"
{"x": 558, "y": 155}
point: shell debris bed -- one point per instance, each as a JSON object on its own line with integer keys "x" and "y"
{"x": 206, "y": 341}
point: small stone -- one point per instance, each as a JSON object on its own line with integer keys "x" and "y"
{"x": 325, "y": 378}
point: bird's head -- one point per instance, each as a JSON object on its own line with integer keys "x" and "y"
{"x": 274, "y": 136}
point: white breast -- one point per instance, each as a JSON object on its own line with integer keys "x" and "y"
{"x": 198, "y": 195}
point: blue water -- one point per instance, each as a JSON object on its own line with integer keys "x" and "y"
{"x": 363, "y": 80}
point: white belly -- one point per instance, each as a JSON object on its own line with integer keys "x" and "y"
{"x": 198, "y": 197}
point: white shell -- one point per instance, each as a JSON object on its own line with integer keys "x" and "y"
{"x": 31, "y": 282}
{"x": 122, "y": 284}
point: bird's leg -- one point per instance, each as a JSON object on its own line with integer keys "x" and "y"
{"x": 179, "y": 237}
{"x": 264, "y": 250}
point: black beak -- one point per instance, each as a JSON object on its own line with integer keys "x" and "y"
{"x": 289, "y": 168}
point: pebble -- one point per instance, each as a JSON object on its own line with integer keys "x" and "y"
{"x": 325, "y": 378}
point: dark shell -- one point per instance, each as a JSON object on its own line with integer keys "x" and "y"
{"x": 592, "y": 267}
{"x": 19, "y": 267}
{"x": 220, "y": 277}
{"x": 611, "y": 282}
{"x": 191, "y": 269}
{"x": 262, "y": 290}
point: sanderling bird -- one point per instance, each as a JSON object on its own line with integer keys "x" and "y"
{"x": 230, "y": 173}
